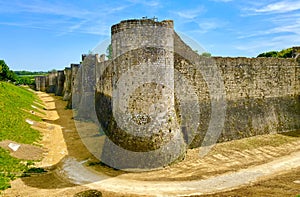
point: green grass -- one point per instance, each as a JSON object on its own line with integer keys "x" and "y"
{"x": 12, "y": 119}
{"x": 15, "y": 103}
{"x": 10, "y": 168}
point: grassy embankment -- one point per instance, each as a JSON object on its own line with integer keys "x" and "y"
{"x": 15, "y": 104}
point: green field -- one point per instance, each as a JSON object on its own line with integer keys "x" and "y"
{"x": 15, "y": 104}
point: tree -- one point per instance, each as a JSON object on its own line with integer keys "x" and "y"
{"x": 25, "y": 80}
{"x": 285, "y": 53}
{"x": 109, "y": 52}
{"x": 5, "y": 73}
{"x": 52, "y": 71}
{"x": 268, "y": 54}
{"x": 3, "y": 70}
{"x": 206, "y": 54}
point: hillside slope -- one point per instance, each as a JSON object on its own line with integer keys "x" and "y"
{"x": 16, "y": 104}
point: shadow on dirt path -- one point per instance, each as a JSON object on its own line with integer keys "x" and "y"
{"x": 64, "y": 144}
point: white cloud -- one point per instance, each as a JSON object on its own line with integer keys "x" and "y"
{"x": 224, "y": 1}
{"x": 276, "y": 26}
{"x": 206, "y": 26}
{"x": 257, "y": 46}
{"x": 59, "y": 17}
{"x": 279, "y": 24}
{"x": 46, "y": 8}
{"x": 293, "y": 29}
{"x": 149, "y": 3}
{"x": 284, "y": 33}
{"x": 192, "y": 13}
{"x": 279, "y": 7}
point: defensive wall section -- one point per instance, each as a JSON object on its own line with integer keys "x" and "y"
{"x": 153, "y": 73}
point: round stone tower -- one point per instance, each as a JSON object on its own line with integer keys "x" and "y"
{"x": 143, "y": 131}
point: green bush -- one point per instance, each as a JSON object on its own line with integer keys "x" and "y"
{"x": 285, "y": 53}
{"x": 25, "y": 80}
{"x": 206, "y": 54}
{"x": 5, "y": 73}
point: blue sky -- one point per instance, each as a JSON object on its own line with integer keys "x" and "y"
{"x": 51, "y": 34}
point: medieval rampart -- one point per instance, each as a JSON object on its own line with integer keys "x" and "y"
{"x": 258, "y": 95}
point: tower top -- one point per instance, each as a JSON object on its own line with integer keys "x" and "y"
{"x": 131, "y": 23}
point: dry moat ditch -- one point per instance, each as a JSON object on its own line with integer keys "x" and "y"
{"x": 262, "y": 165}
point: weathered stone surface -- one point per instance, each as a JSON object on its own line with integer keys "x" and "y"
{"x": 60, "y": 83}
{"x": 85, "y": 94}
{"x": 67, "y": 84}
{"x": 262, "y": 94}
{"x": 40, "y": 83}
{"x": 74, "y": 71}
{"x": 145, "y": 133}
{"x": 52, "y": 83}
{"x": 256, "y": 95}
{"x": 37, "y": 83}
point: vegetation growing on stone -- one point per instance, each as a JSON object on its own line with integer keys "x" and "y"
{"x": 109, "y": 52}
{"x": 206, "y": 54}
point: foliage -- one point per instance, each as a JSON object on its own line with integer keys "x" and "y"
{"x": 5, "y": 73}
{"x": 27, "y": 77}
{"x": 285, "y": 53}
{"x": 9, "y": 168}
{"x": 50, "y": 71}
{"x": 24, "y": 72}
{"x": 109, "y": 52}
{"x": 206, "y": 54}
{"x": 15, "y": 103}
{"x": 18, "y": 77}
{"x": 25, "y": 80}
{"x": 268, "y": 54}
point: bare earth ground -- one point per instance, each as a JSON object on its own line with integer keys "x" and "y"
{"x": 260, "y": 166}
{"x": 25, "y": 151}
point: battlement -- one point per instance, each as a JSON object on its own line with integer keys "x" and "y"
{"x": 128, "y": 24}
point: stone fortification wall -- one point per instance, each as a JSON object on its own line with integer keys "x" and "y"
{"x": 84, "y": 93}
{"x": 74, "y": 71}
{"x": 67, "y": 84}
{"x": 52, "y": 82}
{"x": 256, "y": 95}
{"x": 40, "y": 83}
{"x": 60, "y": 83}
{"x": 142, "y": 86}
{"x": 262, "y": 94}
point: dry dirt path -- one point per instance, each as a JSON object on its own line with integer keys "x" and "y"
{"x": 228, "y": 166}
